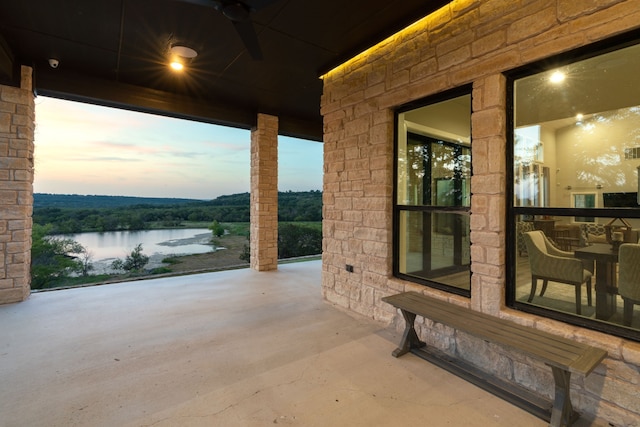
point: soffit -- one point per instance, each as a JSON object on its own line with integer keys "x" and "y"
{"x": 113, "y": 52}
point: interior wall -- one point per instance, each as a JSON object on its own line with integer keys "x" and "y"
{"x": 592, "y": 154}
{"x": 443, "y": 120}
{"x": 548, "y": 137}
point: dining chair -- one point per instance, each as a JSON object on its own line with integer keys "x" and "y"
{"x": 549, "y": 263}
{"x": 629, "y": 278}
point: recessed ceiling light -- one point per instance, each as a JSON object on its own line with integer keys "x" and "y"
{"x": 579, "y": 117}
{"x": 557, "y": 77}
{"x": 180, "y": 56}
{"x": 183, "y": 52}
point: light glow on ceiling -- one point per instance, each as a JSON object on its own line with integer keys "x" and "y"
{"x": 557, "y": 77}
{"x": 180, "y": 56}
{"x": 175, "y": 65}
{"x": 422, "y": 25}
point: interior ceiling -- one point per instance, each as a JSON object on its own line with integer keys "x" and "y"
{"x": 114, "y": 52}
{"x": 600, "y": 84}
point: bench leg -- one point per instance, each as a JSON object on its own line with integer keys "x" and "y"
{"x": 562, "y": 413}
{"x": 410, "y": 338}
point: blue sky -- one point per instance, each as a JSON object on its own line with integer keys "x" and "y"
{"x": 88, "y": 149}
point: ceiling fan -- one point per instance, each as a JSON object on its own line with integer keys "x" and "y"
{"x": 239, "y": 13}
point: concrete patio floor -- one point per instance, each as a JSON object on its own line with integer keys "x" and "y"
{"x": 231, "y": 348}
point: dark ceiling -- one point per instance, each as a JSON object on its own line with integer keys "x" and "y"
{"x": 114, "y": 52}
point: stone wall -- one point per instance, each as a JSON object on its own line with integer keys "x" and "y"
{"x": 468, "y": 41}
{"x": 16, "y": 188}
{"x": 264, "y": 194}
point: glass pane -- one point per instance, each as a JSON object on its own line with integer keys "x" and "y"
{"x": 580, "y": 122}
{"x": 435, "y": 246}
{"x": 596, "y": 248}
{"x": 429, "y": 142}
{"x": 433, "y": 177}
{"x": 584, "y": 200}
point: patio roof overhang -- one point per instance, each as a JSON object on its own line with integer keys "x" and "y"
{"x": 116, "y": 53}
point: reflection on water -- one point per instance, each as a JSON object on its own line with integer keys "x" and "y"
{"x": 118, "y": 244}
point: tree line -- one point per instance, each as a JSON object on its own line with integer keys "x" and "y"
{"x": 59, "y": 261}
{"x": 109, "y": 213}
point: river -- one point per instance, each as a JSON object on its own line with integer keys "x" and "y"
{"x": 157, "y": 244}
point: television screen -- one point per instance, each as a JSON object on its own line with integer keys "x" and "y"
{"x": 620, "y": 200}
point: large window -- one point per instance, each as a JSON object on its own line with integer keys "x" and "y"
{"x": 433, "y": 177}
{"x": 575, "y": 155}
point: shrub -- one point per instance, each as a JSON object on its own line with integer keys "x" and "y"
{"x": 134, "y": 262}
{"x": 298, "y": 240}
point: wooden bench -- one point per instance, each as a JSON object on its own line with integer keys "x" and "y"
{"x": 563, "y": 355}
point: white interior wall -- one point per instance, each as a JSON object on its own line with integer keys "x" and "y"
{"x": 592, "y": 153}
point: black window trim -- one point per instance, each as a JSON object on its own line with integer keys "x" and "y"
{"x": 466, "y": 89}
{"x": 618, "y": 42}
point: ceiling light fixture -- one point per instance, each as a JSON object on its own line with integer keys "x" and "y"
{"x": 180, "y": 56}
{"x": 557, "y": 77}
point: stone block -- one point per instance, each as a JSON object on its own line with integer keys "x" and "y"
{"x": 489, "y": 43}
{"x": 488, "y": 123}
{"x": 398, "y": 80}
{"x": 617, "y": 18}
{"x": 478, "y": 222}
{"x": 404, "y": 58}
{"x": 5, "y": 123}
{"x": 8, "y": 197}
{"x": 532, "y": 375}
{"x": 486, "y": 269}
{"x": 423, "y": 69}
{"x": 488, "y": 184}
{"x": 16, "y": 95}
{"x": 631, "y": 352}
{"x": 13, "y": 295}
{"x": 569, "y": 10}
{"x": 531, "y": 25}
{"x": 623, "y": 393}
{"x": 486, "y": 239}
{"x": 543, "y": 46}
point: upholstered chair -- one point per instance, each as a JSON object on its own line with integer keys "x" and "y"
{"x": 629, "y": 278}
{"x": 549, "y": 263}
{"x": 521, "y": 228}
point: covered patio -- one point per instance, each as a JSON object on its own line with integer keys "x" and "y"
{"x": 231, "y": 348}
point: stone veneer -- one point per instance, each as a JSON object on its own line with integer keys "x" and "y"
{"x": 16, "y": 187}
{"x": 467, "y": 41}
{"x": 264, "y": 194}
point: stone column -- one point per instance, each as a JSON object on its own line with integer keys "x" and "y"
{"x": 17, "y": 115}
{"x": 264, "y": 194}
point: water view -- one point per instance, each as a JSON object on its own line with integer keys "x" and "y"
{"x": 157, "y": 244}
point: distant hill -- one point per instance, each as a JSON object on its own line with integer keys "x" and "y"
{"x": 46, "y": 200}
{"x": 77, "y": 201}
{"x": 72, "y": 213}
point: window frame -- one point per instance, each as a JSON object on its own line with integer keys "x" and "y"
{"x": 397, "y": 208}
{"x": 512, "y": 212}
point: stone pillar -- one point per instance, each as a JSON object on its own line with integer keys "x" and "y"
{"x": 17, "y": 115}
{"x": 264, "y": 194}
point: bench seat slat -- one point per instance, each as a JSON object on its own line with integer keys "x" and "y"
{"x": 551, "y": 349}
{"x": 496, "y": 328}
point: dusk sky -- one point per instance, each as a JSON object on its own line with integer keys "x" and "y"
{"x": 87, "y": 149}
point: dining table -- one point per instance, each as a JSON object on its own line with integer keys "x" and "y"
{"x": 605, "y": 258}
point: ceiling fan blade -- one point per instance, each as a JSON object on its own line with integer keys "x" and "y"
{"x": 249, "y": 37}
{"x": 237, "y": 12}
{"x": 216, "y": 4}
{"x": 258, "y": 4}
